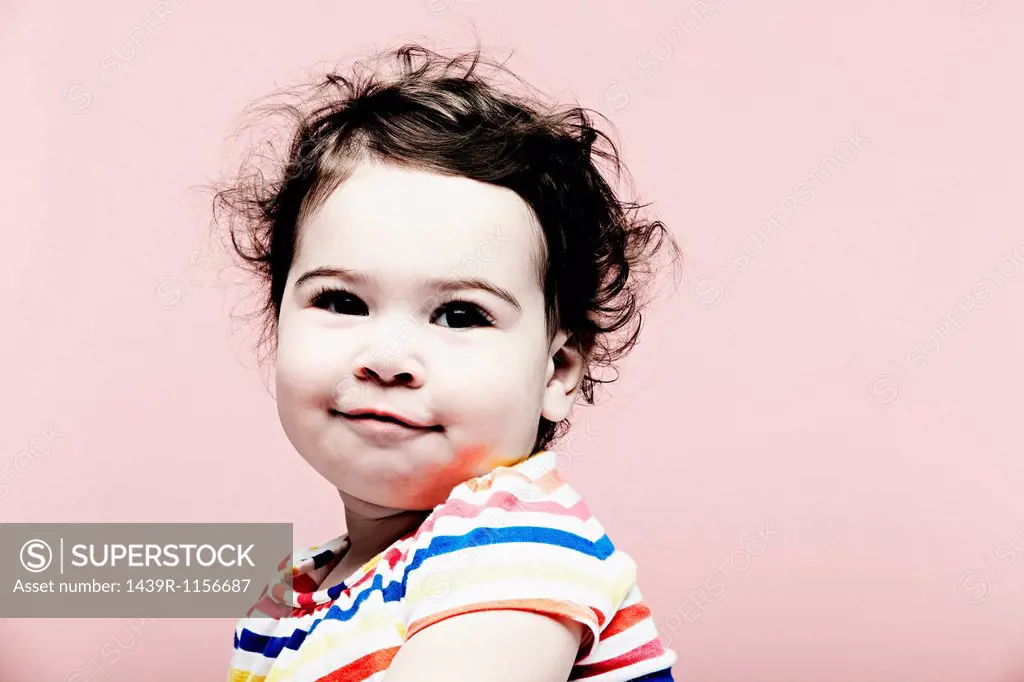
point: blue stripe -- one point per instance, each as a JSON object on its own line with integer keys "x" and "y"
{"x": 478, "y": 537}
{"x": 657, "y": 676}
{"x": 268, "y": 645}
{"x": 395, "y": 591}
{"x": 322, "y": 558}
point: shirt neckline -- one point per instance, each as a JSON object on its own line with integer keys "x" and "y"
{"x": 299, "y": 586}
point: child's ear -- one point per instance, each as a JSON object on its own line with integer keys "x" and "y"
{"x": 566, "y": 367}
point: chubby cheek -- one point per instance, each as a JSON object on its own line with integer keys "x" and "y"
{"x": 304, "y": 369}
{"x": 302, "y": 391}
{"x": 498, "y": 403}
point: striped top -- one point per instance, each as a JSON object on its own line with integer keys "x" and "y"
{"x": 518, "y": 537}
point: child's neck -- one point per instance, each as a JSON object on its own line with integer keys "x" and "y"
{"x": 372, "y": 529}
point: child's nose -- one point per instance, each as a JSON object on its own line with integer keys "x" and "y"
{"x": 393, "y": 360}
{"x": 388, "y": 377}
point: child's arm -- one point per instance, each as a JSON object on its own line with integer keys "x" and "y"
{"x": 493, "y": 645}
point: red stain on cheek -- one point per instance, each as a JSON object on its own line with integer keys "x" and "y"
{"x": 474, "y": 460}
{"x": 469, "y": 462}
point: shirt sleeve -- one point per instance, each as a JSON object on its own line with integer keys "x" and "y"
{"x": 517, "y": 543}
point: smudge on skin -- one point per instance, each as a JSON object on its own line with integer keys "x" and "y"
{"x": 470, "y": 462}
{"x": 466, "y": 464}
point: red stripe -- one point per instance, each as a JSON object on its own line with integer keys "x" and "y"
{"x": 626, "y": 618}
{"x": 365, "y": 577}
{"x": 506, "y": 501}
{"x": 550, "y": 607}
{"x": 652, "y": 649}
{"x": 303, "y": 583}
{"x": 362, "y": 668}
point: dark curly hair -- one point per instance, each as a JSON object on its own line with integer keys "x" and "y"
{"x": 437, "y": 114}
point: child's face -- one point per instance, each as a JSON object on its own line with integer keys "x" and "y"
{"x": 480, "y": 371}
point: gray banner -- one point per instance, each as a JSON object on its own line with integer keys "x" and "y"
{"x": 158, "y": 570}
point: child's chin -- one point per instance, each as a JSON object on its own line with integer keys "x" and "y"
{"x": 405, "y": 487}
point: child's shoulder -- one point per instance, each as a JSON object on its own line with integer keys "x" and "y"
{"x": 527, "y": 509}
{"x": 531, "y": 479}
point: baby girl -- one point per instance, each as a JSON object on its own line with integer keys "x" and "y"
{"x": 445, "y": 270}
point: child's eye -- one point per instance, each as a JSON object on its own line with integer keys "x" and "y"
{"x": 462, "y": 314}
{"x": 339, "y": 301}
{"x": 456, "y": 314}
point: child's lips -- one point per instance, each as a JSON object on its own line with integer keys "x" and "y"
{"x": 384, "y": 429}
{"x": 387, "y": 416}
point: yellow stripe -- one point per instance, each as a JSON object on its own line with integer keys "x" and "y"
{"x": 432, "y": 582}
{"x": 332, "y": 637}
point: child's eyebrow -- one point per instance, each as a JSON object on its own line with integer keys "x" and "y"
{"x": 445, "y": 285}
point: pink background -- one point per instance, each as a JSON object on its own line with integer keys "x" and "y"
{"x": 855, "y": 386}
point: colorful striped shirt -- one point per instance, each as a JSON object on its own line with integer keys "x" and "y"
{"x": 518, "y": 538}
